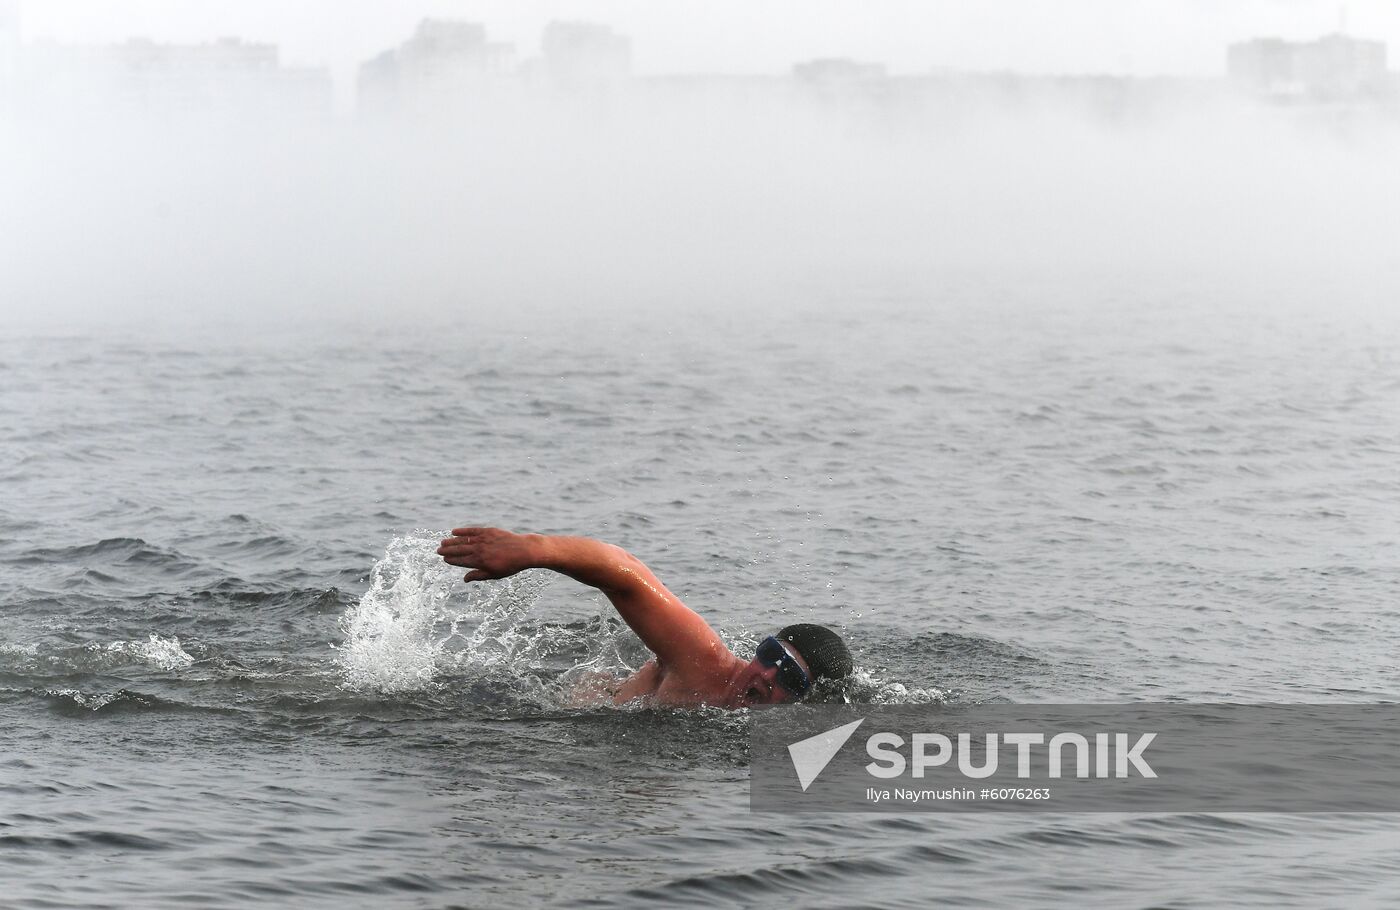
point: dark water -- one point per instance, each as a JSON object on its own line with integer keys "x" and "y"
{"x": 232, "y": 673}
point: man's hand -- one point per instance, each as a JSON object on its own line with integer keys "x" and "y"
{"x": 489, "y": 552}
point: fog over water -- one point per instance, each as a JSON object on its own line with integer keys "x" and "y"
{"x": 662, "y": 197}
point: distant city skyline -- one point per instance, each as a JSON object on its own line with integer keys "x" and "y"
{"x": 1121, "y": 37}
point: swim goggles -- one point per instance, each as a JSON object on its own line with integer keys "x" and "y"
{"x": 791, "y": 676}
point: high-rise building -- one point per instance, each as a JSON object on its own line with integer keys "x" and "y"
{"x": 444, "y": 64}
{"x": 1338, "y": 66}
{"x": 586, "y": 55}
{"x": 224, "y": 77}
{"x": 1262, "y": 65}
{"x": 1332, "y": 67}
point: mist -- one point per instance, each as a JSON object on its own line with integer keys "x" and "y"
{"x": 669, "y": 193}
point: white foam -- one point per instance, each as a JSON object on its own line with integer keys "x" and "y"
{"x": 865, "y": 687}
{"x": 404, "y": 633}
{"x": 94, "y": 702}
{"x": 161, "y": 653}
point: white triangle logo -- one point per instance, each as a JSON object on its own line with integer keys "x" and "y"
{"x": 811, "y": 755}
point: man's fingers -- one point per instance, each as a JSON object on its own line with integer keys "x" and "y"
{"x": 458, "y": 545}
{"x": 464, "y": 548}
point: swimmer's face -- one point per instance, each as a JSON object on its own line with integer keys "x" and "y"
{"x": 757, "y": 683}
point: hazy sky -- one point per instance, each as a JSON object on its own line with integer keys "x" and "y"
{"x": 1142, "y": 37}
{"x": 679, "y": 201}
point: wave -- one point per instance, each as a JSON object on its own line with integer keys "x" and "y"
{"x": 810, "y": 878}
{"x": 121, "y": 700}
{"x": 35, "y": 663}
{"x": 96, "y": 701}
{"x": 110, "y": 550}
{"x": 110, "y": 561}
{"x": 157, "y": 652}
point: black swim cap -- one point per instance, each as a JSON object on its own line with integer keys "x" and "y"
{"x": 826, "y": 654}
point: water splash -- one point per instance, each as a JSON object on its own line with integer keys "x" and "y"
{"x": 864, "y": 687}
{"x": 160, "y": 653}
{"x": 404, "y": 633}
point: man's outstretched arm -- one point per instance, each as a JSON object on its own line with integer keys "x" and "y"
{"x": 673, "y": 631}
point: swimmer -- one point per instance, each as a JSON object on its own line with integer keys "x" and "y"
{"x": 692, "y": 666}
